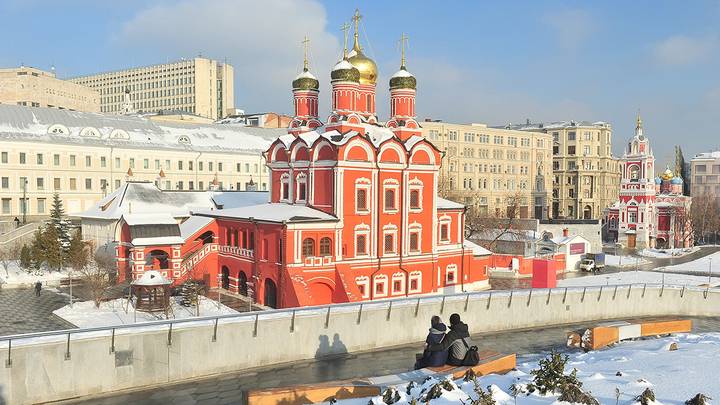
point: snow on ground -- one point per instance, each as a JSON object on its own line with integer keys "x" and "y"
{"x": 85, "y": 315}
{"x": 624, "y": 261}
{"x": 667, "y": 253}
{"x": 674, "y": 376}
{"x": 18, "y": 277}
{"x": 701, "y": 265}
{"x": 639, "y": 277}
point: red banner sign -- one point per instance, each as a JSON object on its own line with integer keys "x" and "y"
{"x": 577, "y": 248}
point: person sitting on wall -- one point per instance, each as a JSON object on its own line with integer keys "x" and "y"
{"x": 435, "y": 335}
{"x": 460, "y": 352}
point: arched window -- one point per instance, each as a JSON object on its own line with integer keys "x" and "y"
{"x": 308, "y": 247}
{"x": 325, "y": 246}
{"x": 634, "y": 173}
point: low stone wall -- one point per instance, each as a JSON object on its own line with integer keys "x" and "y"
{"x": 50, "y": 368}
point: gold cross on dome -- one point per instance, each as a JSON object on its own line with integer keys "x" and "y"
{"x": 306, "y": 43}
{"x": 403, "y": 41}
{"x": 345, "y": 28}
{"x": 356, "y": 19}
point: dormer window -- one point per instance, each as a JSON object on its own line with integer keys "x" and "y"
{"x": 185, "y": 140}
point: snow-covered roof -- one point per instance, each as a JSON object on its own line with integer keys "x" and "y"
{"x": 443, "y": 204}
{"x": 343, "y": 65}
{"x": 707, "y": 155}
{"x": 55, "y": 126}
{"x": 402, "y": 73}
{"x": 151, "y": 278}
{"x": 412, "y": 141}
{"x": 272, "y": 212}
{"x": 147, "y": 198}
{"x": 305, "y": 74}
{"x": 193, "y": 224}
{"x": 158, "y": 240}
{"x": 476, "y": 249}
{"x": 511, "y": 235}
{"x": 158, "y": 218}
{"x": 541, "y": 126}
{"x": 377, "y": 134}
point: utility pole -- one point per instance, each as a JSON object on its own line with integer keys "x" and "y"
{"x": 24, "y": 200}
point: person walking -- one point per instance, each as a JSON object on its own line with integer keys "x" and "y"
{"x": 38, "y": 287}
{"x": 455, "y": 342}
{"x": 435, "y": 335}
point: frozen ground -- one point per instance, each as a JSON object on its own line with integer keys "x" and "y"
{"x": 630, "y": 367}
{"x": 17, "y": 277}
{"x": 640, "y": 277}
{"x": 701, "y": 265}
{"x": 624, "y": 261}
{"x": 667, "y": 253}
{"x": 85, "y": 315}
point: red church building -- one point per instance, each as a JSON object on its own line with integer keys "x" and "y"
{"x": 353, "y": 212}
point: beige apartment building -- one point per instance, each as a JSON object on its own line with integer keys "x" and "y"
{"x": 705, "y": 174}
{"x": 32, "y": 87}
{"x": 85, "y": 156}
{"x": 490, "y": 168}
{"x": 586, "y": 176}
{"x": 200, "y": 86}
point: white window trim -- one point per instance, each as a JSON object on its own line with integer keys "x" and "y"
{"x": 301, "y": 179}
{"x": 451, "y": 269}
{"x": 285, "y": 178}
{"x": 377, "y": 280}
{"x": 362, "y": 230}
{"x": 363, "y": 183}
{"x": 414, "y": 228}
{"x": 415, "y": 275}
{"x": 399, "y": 276}
{"x": 364, "y": 281}
{"x": 444, "y": 220}
{"x": 413, "y": 186}
{"x": 396, "y": 188}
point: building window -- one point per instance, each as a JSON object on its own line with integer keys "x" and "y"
{"x": 363, "y": 284}
{"x": 40, "y": 205}
{"x": 40, "y": 183}
{"x": 6, "y": 205}
{"x": 414, "y": 241}
{"x": 361, "y": 199}
{"x": 285, "y": 187}
{"x": 88, "y": 184}
{"x": 415, "y": 199}
{"x": 308, "y": 247}
{"x": 389, "y": 199}
{"x": 381, "y": 285}
{"x": 72, "y": 160}
{"x": 5, "y": 182}
{"x": 88, "y": 161}
{"x": 361, "y": 244}
{"x": 325, "y": 246}
{"x": 56, "y": 183}
{"x": 389, "y": 245}
{"x": 632, "y": 217}
{"x": 415, "y": 281}
{"x": 39, "y": 158}
{"x": 444, "y": 232}
{"x": 22, "y": 158}
{"x": 103, "y": 161}
{"x": 301, "y": 187}
{"x": 398, "y": 283}
{"x": 73, "y": 184}
{"x": 451, "y": 274}
{"x": 4, "y": 157}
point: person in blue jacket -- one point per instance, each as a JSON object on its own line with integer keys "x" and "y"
{"x": 435, "y": 336}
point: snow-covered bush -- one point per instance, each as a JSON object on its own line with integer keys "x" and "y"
{"x": 550, "y": 376}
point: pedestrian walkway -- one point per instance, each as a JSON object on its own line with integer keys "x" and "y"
{"x": 230, "y": 388}
{"x": 22, "y": 312}
{"x": 237, "y": 302}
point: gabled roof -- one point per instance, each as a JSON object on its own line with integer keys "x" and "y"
{"x": 272, "y": 212}
{"x": 443, "y": 204}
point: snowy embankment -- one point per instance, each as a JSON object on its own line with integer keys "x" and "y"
{"x": 120, "y": 312}
{"x": 701, "y": 265}
{"x": 638, "y": 277}
{"x": 630, "y": 367}
{"x": 668, "y": 253}
{"x": 19, "y": 278}
{"x": 624, "y": 261}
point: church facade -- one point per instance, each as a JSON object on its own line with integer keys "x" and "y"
{"x": 652, "y": 212}
{"x": 353, "y": 212}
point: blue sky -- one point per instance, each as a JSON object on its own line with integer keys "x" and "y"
{"x": 491, "y": 62}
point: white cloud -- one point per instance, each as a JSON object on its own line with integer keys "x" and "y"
{"x": 261, "y": 39}
{"x": 572, "y": 27}
{"x": 684, "y": 50}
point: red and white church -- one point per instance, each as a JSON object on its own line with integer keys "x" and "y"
{"x": 353, "y": 212}
{"x": 652, "y": 211}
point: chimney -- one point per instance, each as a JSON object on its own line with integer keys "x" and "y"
{"x": 566, "y": 232}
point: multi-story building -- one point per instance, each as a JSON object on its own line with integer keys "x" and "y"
{"x": 85, "y": 156}
{"x": 651, "y": 211}
{"x": 201, "y": 86}
{"x": 490, "y": 169}
{"x": 32, "y": 87}
{"x": 705, "y": 172}
{"x": 586, "y": 176}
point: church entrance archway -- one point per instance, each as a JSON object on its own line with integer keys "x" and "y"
{"x": 587, "y": 212}
{"x": 225, "y": 278}
{"x": 270, "y": 294}
{"x": 242, "y": 283}
{"x": 321, "y": 293}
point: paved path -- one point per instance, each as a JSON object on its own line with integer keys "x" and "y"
{"x": 230, "y": 388}
{"x": 22, "y": 312}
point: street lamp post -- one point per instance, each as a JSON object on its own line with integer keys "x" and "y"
{"x": 24, "y": 204}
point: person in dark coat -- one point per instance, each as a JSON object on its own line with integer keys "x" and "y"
{"x": 38, "y": 287}
{"x": 435, "y": 335}
{"x": 453, "y": 341}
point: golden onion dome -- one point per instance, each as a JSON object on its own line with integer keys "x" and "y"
{"x": 344, "y": 71}
{"x": 366, "y": 66}
{"x": 667, "y": 174}
{"x": 305, "y": 81}
{"x": 403, "y": 79}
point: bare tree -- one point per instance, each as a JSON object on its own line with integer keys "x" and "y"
{"x": 704, "y": 216}
{"x": 8, "y": 254}
{"x": 96, "y": 273}
{"x": 496, "y": 225}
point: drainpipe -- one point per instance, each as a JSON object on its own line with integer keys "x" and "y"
{"x": 255, "y": 253}
{"x": 462, "y": 250}
{"x": 196, "y": 167}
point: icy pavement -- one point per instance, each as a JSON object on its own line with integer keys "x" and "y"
{"x": 630, "y": 367}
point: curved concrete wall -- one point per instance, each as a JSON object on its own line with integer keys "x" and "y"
{"x": 41, "y": 372}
